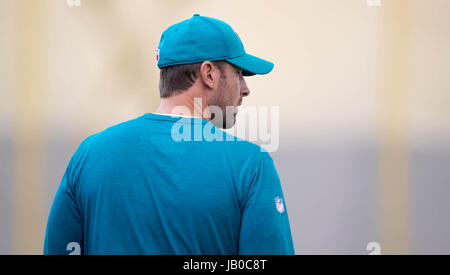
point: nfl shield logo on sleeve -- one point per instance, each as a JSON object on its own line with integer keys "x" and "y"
{"x": 279, "y": 204}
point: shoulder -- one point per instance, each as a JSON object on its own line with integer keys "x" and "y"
{"x": 248, "y": 150}
{"x": 122, "y": 131}
{"x": 98, "y": 138}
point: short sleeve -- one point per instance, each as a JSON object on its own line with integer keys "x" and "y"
{"x": 64, "y": 233}
{"x": 64, "y": 227}
{"x": 265, "y": 225}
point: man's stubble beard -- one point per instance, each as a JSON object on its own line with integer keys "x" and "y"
{"x": 228, "y": 118}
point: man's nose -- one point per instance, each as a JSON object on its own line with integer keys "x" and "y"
{"x": 245, "y": 91}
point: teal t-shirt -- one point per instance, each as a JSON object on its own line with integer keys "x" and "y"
{"x": 162, "y": 184}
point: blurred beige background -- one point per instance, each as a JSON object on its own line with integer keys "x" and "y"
{"x": 364, "y": 151}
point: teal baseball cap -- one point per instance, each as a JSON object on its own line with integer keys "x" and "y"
{"x": 202, "y": 38}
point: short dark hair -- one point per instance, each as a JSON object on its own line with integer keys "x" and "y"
{"x": 178, "y": 78}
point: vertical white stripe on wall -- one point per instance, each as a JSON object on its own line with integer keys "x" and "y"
{"x": 393, "y": 121}
{"x": 29, "y": 152}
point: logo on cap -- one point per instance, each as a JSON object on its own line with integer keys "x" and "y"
{"x": 157, "y": 55}
{"x": 279, "y": 204}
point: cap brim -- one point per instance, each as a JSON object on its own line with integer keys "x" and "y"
{"x": 251, "y": 64}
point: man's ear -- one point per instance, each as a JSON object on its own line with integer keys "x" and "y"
{"x": 209, "y": 75}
